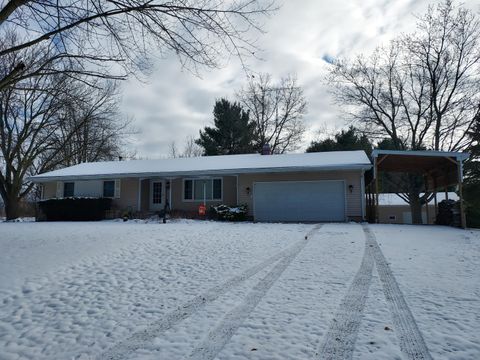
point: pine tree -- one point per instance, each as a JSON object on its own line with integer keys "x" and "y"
{"x": 233, "y": 132}
{"x": 350, "y": 139}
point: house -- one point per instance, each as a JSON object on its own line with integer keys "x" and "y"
{"x": 326, "y": 186}
{"x": 395, "y": 210}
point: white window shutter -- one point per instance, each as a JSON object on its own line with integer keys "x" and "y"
{"x": 59, "y": 189}
{"x": 117, "y": 189}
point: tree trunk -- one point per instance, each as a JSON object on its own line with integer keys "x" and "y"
{"x": 12, "y": 207}
{"x": 416, "y": 209}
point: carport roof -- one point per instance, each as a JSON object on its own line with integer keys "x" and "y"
{"x": 211, "y": 165}
{"x": 443, "y": 166}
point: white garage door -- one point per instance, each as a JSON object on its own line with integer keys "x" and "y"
{"x": 299, "y": 201}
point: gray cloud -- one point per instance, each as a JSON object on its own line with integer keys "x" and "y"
{"x": 301, "y": 38}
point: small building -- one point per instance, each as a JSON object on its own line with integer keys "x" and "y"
{"x": 318, "y": 187}
{"x": 395, "y": 210}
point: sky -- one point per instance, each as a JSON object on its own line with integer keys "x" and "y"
{"x": 173, "y": 104}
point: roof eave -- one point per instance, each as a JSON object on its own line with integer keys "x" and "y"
{"x": 40, "y": 178}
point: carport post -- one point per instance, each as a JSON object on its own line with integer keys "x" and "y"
{"x": 463, "y": 218}
{"x": 426, "y": 199}
{"x": 377, "y": 215}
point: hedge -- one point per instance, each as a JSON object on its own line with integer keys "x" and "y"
{"x": 75, "y": 209}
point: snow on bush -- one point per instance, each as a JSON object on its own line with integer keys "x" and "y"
{"x": 231, "y": 213}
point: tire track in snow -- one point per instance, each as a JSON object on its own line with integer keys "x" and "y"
{"x": 138, "y": 340}
{"x": 339, "y": 341}
{"x": 408, "y": 333}
{"x": 218, "y": 337}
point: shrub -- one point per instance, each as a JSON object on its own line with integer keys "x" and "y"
{"x": 75, "y": 209}
{"x": 231, "y": 213}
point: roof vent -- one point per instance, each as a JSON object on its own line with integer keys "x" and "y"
{"x": 120, "y": 158}
{"x": 266, "y": 149}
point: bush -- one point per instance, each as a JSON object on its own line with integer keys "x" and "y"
{"x": 231, "y": 213}
{"x": 471, "y": 193}
{"x": 448, "y": 213}
{"x": 75, "y": 209}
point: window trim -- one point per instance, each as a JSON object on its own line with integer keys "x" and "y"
{"x": 193, "y": 189}
{"x": 103, "y": 189}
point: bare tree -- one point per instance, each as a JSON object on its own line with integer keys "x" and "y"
{"x": 277, "y": 110}
{"x": 190, "y": 149}
{"x": 420, "y": 92}
{"x": 91, "y": 127}
{"x": 115, "y": 38}
{"x": 41, "y": 126}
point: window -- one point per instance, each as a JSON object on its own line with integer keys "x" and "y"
{"x": 188, "y": 190}
{"x": 68, "y": 189}
{"x": 109, "y": 188}
{"x": 217, "y": 188}
{"x": 157, "y": 192}
{"x": 200, "y": 189}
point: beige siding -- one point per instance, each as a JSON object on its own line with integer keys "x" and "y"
{"x": 128, "y": 194}
{"x": 354, "y": 199}
{"x": 145, "y": 197}
{"x": 229, "y": 194}
{"x": 49, "y": 190}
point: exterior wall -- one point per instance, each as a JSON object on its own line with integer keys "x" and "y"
{"x": 387, "y": 211}
{"x": 49, "y": 190}
{"x": 229, "y": 194}
{"x": 354, "y": 199}
{"x": 129, "y": 188}
{"x": 94, "y": 188}
{"x": 128, "y": 194}
{"x": 145, "y": 196}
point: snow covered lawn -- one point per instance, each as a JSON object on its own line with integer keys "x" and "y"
{"x": 206, "y": 290}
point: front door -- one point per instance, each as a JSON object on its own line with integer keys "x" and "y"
{"x": 157, "y": 195}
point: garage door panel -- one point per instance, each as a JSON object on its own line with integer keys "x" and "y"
{"x": 299, "y": 201}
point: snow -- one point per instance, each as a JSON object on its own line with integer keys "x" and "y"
{"x": 390, "y": 199}
{"x": 205, "y": 290}
{"x": 214, "y": 164}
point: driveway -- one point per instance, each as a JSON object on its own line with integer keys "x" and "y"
{"x": 205, "y": 290}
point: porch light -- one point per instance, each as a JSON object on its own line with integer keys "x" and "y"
{"x": 350, "y": 188}
{"x": 247, "y": 190}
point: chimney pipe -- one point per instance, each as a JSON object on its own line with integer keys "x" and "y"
{"x": 266, "y": 149}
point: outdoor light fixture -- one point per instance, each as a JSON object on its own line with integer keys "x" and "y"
{"x": 247, "y": 189}
{"x": 350, "y": 187}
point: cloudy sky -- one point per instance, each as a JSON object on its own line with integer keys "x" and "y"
{"x": 174, "y": 104}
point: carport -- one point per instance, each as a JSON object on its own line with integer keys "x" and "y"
{"x": 439, "y": 170}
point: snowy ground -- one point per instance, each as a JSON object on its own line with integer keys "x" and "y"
{"x": 206, "y": 290}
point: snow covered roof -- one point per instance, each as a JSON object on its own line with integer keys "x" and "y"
{"x": 394, "y": 199}
{"x": 222, "y": 164}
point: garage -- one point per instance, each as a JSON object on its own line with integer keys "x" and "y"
{"x": 299, "y": 201}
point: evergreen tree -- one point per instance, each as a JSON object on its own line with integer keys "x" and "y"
{"x": 233, "y": 132}
{"x": 350, "y": 139}
{"x": 471, "y": 189}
